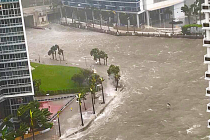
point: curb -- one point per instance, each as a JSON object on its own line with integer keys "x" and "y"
{"x": 89, "y": 123}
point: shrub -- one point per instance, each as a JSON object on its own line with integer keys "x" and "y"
{"x": 185, "y": 28}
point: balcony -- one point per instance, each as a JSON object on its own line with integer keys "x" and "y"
{"x": 208, "y": 107}
{"x": 205, "y": 8}
{"x": 14, "y": 77}
{"x": 206, "y": 26}
{"x": 206, "y": 59}
{"x": 208, "y": 91}
{"x": 8, "y": 43}
{"x": 206, "y": 42}
{"x": 207, "y": 75}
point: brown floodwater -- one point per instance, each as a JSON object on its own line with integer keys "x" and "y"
{"x": 154, "y": 71}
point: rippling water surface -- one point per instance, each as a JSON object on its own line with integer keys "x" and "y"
{"x": 154, "y": 71}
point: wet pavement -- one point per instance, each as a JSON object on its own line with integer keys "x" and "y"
{"x": 155, "y": 71}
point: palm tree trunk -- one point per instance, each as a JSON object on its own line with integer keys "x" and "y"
{"x": 81, "y": 113}
{"x": 99, "y": 60}
{"x": 94, "y": 98}
{"x": 189, "y": 19}
{"x": 63, "y": 56}
{"x": 93, "y": 104}
{"x": 84, "y": 104}
{"x": 117, "y": 85}
{"x": 104, "y": 61}
{"x": 102, "y": 90}
{"x": 55, "y": 55}
{"x": 33, "y": 132}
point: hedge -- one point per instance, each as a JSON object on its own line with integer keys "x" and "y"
{"x": 65, "y": 91}
{"x": 185, "y": 28}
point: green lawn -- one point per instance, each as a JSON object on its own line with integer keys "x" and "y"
{"x": 54, "y": 77}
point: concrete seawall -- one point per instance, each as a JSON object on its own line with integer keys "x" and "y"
{"x": 145, "y": 34}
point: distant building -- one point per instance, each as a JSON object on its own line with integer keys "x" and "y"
{"x": 36, "y": 16}
{"x": 15, "y": 76}
{"x": 146, "y": 11}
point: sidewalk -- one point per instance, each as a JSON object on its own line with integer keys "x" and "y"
{"x": 70, "y": 121}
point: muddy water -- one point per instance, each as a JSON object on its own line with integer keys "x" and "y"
{"x": 154, "y": 71}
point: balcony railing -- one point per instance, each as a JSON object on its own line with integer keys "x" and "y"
{"x": 205, "y": 7}
{"x": 14, "y": 68}
{"x": 11, "y": 42}
{"x": 14, "y": 76}
{"x": 12, "y": 51}
{"x": 208, "y": 108}
{"x": 13, "y": 59}
{"x": 207, "y": 75}
{"x": 207, "y": 91}
{"x": 206, "y": 59}
{"x": 206, "y": 26}
{"x": 15, "y": 85}
{"x": 12, "y": 34}
{"x": 11, "y": 25}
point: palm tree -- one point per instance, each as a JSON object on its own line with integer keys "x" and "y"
{"x": 60, "y": 52}
{"x": 101, "y": 54}
{"x": 92, "y": 96}
{"x": 102, "y": 89}
{"x": 32, "y": 122}
{"x": 95, "y": 53}
{"x": 83, "y": 97}
{"x": 117, "y": 78}
{"x": 115, "y": 70}
{"x": 195, "y": 10}
{"x": 54, "y": 48}
{"x": 199, "y": 3}
{"x": 33, "y": 116}
{"x": 79, "y": 99}
{"x": 50, "y": 52}
{"x": 188, "y": 11}
{"x": 5, "y": 128}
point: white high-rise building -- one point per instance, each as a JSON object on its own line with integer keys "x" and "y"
{"x": 206, "y": 43}
{"x": 15, "y": 76}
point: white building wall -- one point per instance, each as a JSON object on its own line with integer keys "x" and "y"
{"x": 177, "y": 11}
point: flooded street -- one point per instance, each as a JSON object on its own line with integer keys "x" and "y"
{"x": 154, "y": 71}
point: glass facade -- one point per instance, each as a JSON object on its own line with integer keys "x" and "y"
{"x": 15, "y": 77}
{"x": 116, "y": 5}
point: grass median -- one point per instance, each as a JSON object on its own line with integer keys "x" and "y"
{"x": 54, "y": 77}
